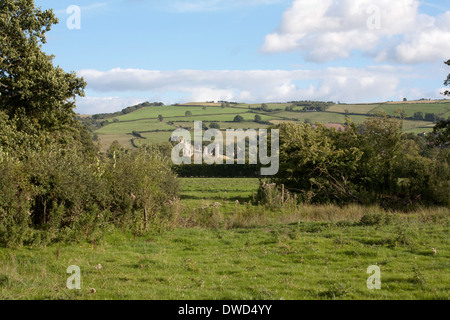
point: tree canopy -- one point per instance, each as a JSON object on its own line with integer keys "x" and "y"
{"x": 447, "y": 82}
{"x": 238, "y": 118}
{"x": 30, "y": 86}
{"x": 374, "y": 162}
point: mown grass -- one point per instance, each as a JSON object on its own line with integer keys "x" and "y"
{"x": 313, "y": 252}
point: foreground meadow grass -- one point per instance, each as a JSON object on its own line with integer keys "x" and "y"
{"x": 309, "y": 260}
{"x": 311, "y": 255}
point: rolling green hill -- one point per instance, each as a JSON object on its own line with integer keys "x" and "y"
{"x": 145, "y": 119}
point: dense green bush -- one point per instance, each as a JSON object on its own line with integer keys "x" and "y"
{"x": 62, "y": 191}
{"x": 314, "y": 165}
{"x": 15, "y": 202}
{"x": 142, "y": 185}
{"x": 68, "y": 187}
{"x": 372, "y": 163}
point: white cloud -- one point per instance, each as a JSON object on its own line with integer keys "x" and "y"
{"x": 325, "y": 30}
{"x": 430, "y": 43}
{"x": 95, "y": 105}
{"x": 368, "y": 84}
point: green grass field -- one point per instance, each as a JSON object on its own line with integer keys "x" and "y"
{"x": 201, "y": 191}
{"x": 353, "y": 108}
{"x": 436, "y": 108}
{"x": 105, "y": 140}
{"x": 222, "y": 117}
{"x": 226, "y": 125}
{"x": 307, "y": 257}
{"x": 321, "y": 117}
{"x": 176, "y": 111}
{"x": 129, "y": 127}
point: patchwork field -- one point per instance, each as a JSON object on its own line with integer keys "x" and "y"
{"x": 129, "y": 127}
{"x": 145, "y": 120}
{"x": 436, "y": 108}
{"x": 176, "y": 111}
{"x": 354, "y": 108}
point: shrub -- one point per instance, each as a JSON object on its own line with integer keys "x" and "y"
{"x": 15, "y": 203}
{"x": 238, "y": 118}
{"x": 374, "y": 163}
{"x": 274, "y": 196}
{"x": 214, "y": 125}
{"x": 142, "y": 184}
{"x": 68, "y": 187}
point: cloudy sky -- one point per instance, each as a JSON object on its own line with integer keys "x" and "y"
{"x": 173, "y": 51}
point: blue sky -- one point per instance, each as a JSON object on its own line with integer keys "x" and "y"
{"x": 130, "y": 51}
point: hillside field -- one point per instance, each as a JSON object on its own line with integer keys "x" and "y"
{"x": 145, "y": 121}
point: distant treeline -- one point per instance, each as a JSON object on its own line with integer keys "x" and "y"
{"x": 100, "y": 120}
{"x": 309, "y": 103}
{"x": 427, "y": 117}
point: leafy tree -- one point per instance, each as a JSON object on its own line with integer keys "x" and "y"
{"x": 418, "y": 116}
{"x": 142, "y": 184}
{"x": 441, "y": 133}
{"x": 289, "y": 108}
{"x": 371, "y": 163}
{"x": 380, "y": 141}
{"x": 160, "y": 118}
{"x": 315, "y": 165}
{"x": 214, "y": 125}
{"x": 238, "y": 118}
{"x": 430, "y": 117}
{"x": 30, "y": 86}
{"x": 258, "y": 118}
{"x": 188, "y": 114}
